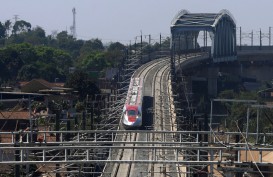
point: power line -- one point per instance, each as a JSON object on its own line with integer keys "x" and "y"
{"x": 16, "y": 18}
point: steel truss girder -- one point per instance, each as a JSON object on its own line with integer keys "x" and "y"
{"x": 222, "y": 29}
{"x": 95, "y": 135}
{"x": 98, "y": 148}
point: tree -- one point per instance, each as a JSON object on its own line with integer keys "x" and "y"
{"x": 2, "y": 31}
{"x": 25, "y": 61}
{"x": 3, "y": 72}
{"x": 64, "y": 40}
{"x": 8, "y": 27}
{"x": 50, "y": 72}
{"x": 91, "y": 46}
{"x": 67, "y": 42}
{"x": 114, "y": 54}
{"x": 113, "y": 58}
{"x": 94, "y": 61}
{"x": 117, "y": 46}
{"x": 21, "y": 26}
{"x": 12, "y": 62}
{"x": 166, "y": 43}
{"x": 62, "y": 59}
{"x": 77, "y": 45}
{"x": 28, "y": 72}
{"x": 15, "y": 39}
{"x": 237, "y": 111}
{"x": 79, "y": 81}
{"x": 26, "y": 52}
{"x": 36, "y": 37}
{"x": 59, "y": 58}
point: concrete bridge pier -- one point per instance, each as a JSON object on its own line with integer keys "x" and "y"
{"x": 212, "y": 80}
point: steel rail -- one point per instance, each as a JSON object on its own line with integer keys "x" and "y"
{"x": 141, "y": 72}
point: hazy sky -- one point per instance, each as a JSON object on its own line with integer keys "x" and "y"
{"x": 122, "y": 20}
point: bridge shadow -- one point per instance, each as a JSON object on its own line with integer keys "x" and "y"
{"x": 147, "y": 113}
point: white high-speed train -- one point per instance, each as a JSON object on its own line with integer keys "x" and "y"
{"x": 132, "y": 110}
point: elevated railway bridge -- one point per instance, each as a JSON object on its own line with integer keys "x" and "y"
{"x": 166, "y": 145}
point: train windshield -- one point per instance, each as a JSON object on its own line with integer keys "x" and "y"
{"x": 131, "y": 112}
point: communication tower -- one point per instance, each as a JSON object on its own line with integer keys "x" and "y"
{"x": 73, "y": 28}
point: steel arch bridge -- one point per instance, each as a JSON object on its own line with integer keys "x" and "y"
{"x": 221, "y": 27}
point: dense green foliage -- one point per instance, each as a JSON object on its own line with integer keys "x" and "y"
{"x": 79, "y": 81}
{"x": 27, "y": 53}
{"x": 237, "y": 113}
{"x": 25, "y": 61}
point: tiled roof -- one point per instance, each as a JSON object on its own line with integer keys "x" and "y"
{"x": 44, "y": 82}
{"x": 49, "y": 84}
{"x": 14, "y": 115}
{"x": 22, "y": 83}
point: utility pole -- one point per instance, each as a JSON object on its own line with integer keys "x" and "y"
{"x": 160, "y": 45}
{"x": 141, "y": 46}
{"x": 260, "y": 37}
{"x": 240, "y": 38}
{"x": 269, "y": 36}
{"x": 252, "y": 38}
{"x": 16, "y": 18}
{"x": 149, "y": 47}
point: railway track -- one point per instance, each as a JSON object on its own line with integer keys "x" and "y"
{"x": 136, "y": 156}
{"x": 161, "y": 117}
{"x": 148, "y": 74}
{"x": 131, "y": 170}
{"x": 157, "y": 83}
{"x": 160, "y": 112}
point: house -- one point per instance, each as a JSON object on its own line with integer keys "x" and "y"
{"x": 11, "y": 121}
{"x": 54, "y": 91}
{"x": 35, "y": 85}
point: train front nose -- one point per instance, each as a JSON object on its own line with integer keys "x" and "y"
{"x": 131, "y": 118}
